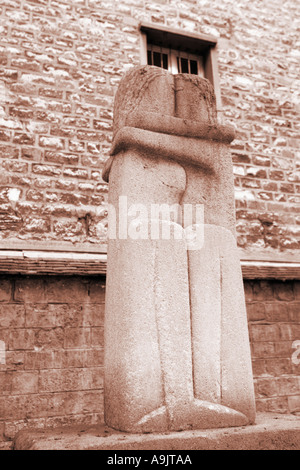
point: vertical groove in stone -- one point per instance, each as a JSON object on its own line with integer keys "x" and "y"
{"x": 158, "y": 339}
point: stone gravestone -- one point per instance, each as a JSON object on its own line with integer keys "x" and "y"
{"x": 177, "y": 350}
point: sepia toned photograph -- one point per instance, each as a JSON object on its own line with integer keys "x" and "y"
{"x": 149, "y": 228}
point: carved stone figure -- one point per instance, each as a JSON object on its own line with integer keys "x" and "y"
{"x": 177, "y": 350}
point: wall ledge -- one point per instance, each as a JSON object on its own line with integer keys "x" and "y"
{"x": 52, "y": 263}
{"x": 270, "y": 270}
{"x": 42, "y": 262}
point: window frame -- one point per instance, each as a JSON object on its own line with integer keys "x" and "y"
{"x": 183, "y": 42}
{"x": 174, "y": 55}
{"x": 187, "y": 55}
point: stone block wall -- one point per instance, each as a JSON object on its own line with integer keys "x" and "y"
{"x": 60, "y": 65}
{"x": 273, "y": 309}
{"x": 52, "y": 328}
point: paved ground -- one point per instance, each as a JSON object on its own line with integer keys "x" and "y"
{"x": 271, "y": 431}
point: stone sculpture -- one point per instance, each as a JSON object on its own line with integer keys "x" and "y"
{"x": 177, "y": 350}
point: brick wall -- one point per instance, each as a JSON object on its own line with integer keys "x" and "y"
{"x": 274, "y": 327}
{"x": 52, "y": 328}
{"x": 60, "y": 64}
{"x": 53, "y": 332}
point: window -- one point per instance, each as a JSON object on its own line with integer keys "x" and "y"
{"x": 181, "y": 52}
{"x": 174, "y": 60}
